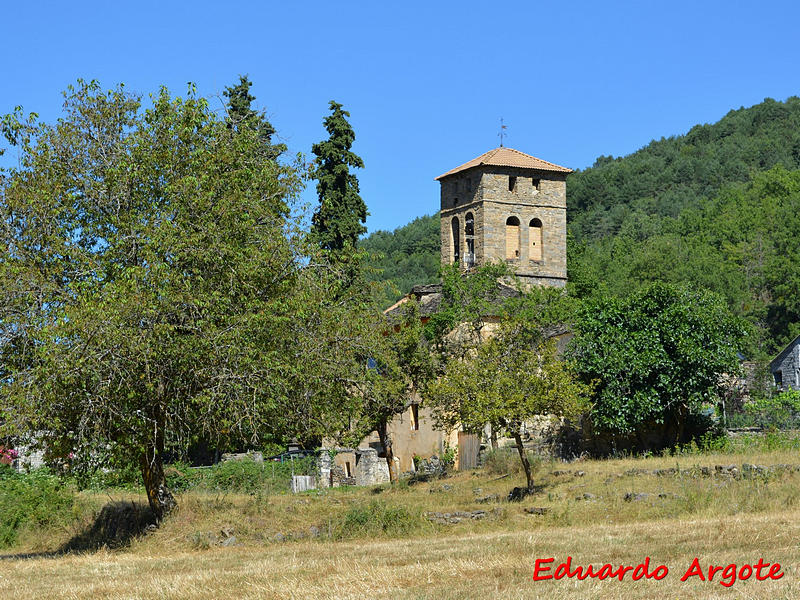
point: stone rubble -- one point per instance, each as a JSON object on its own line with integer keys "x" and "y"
{"x": 450, "y": 518}
{"x": 537, "y": 510}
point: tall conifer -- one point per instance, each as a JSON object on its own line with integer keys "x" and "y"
{"x": 339, "y": 219}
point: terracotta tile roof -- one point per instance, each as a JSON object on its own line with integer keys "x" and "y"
{"x": 507, "y": 157}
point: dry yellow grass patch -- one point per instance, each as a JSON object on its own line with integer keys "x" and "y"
{"x": 477, "y": 565}
{"x": 718, "y": 520}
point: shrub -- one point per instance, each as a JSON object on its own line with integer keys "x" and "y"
{"x": 502, "y": 461}
{"x": 125, "y": 476}
{"x": 182, "y": 477}
{"x": 32, "y": 499}
{"x": 781, "y": 411}
{"x": 376, "y": 519}
{"x": 448, "y": 457}
{"x": 713, "y": 441}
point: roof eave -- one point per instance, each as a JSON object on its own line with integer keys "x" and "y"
{"x": 563, "y": 170}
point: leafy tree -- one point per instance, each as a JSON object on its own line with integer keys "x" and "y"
{"x": 469, "y": 301}
{"x": 240, "y": 111}
{"x": 512, "y": 377}
{"x": 657, "y": 356}
{"x": 339, "y": 219}
{"x": 148, "y": 277}
{"x": 398, "y": 363}
{"x": 740, "y": 244}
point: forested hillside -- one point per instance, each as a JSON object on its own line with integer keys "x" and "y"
{"x": 673, "y": 173}
{"x": 718, "y": 207}
{"x": 743, "y": 243}
{"x": 405, "y": 257}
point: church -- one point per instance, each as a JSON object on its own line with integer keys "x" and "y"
{"x": 503, "y": 205}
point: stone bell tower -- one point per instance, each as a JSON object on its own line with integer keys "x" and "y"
{"x": 506, "y": 205}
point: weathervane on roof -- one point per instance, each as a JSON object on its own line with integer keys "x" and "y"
{"x": 502, "y": 133}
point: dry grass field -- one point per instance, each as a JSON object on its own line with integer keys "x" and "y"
{"x": 378, "y": 543}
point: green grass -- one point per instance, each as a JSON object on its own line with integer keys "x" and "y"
{"x": 33, "y": 500}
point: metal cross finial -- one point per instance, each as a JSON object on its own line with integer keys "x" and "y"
{"x": 502, "y": 133}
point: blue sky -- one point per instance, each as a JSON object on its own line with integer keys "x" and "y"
{"x": 425, "y": 83}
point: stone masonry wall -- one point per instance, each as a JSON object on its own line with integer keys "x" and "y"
{"x": 371, "y": 469}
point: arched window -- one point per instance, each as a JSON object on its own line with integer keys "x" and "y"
{"x": 512, "y": 238}
{"x": 535, "y": 239}
{"x": 469, "y": 239}
{"x": 455, "y": 246}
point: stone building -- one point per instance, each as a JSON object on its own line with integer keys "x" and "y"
{"x": 785, "y": 367}
{"x": 506, "y": 205}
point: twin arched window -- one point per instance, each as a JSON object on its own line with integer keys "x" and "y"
{"x": 513, "y": 239}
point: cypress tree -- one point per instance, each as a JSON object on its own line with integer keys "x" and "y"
{"x": 339, "y": 220}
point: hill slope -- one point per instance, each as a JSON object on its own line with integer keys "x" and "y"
{"x": 673, "y": 173}
{"x": 718, "y": 207}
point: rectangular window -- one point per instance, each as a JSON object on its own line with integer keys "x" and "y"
{"x": 535, "y": 183}
{"x": 512, "y": 183}
{"x": 415, "y": 417}
{"x": 347, "y": 471}
{"x": 778, "y": 379}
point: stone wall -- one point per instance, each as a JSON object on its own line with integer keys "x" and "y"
{"x": 29, "y": 458}
{"x": 364, "y": 465}
{"x": 338, "y": 470}
{"x": 370, "y": 468}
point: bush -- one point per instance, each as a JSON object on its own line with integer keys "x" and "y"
{"x": 34, "y": 499}
{"x": 713, "y": 441}
{"x": 240, "y": 476}
{"x": 182, "y": 477}
{"x": 781, "y": 411}
{"x": 125, "y": 476}
{"x": 376, "y": 519}
{"x": 502, "y": 461}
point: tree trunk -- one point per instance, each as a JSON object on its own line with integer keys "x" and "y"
{"x": 493, "y": 437}
{"x": 155, "y": 484}
{"x": 524, "y": 458}
{"x": 386, "y": 442}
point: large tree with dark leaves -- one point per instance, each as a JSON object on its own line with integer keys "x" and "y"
{"x": 656, "y": 357}
{"x": 241, "y": 111}
{"x": 339, "y": 220}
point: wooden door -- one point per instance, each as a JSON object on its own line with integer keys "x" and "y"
{"x": 468, "y": 446}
